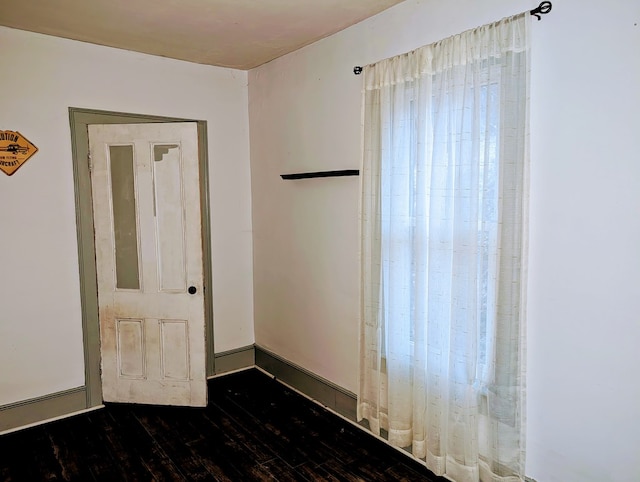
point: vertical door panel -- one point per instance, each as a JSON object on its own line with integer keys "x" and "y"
{"x": 168, "y": 198}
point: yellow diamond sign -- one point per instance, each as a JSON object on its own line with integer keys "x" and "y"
{"x": 15, "y": 150}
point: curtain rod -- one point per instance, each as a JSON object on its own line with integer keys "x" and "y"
{"x": 542, "y": 9}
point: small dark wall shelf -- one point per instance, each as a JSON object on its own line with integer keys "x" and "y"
{"x": 307, "y": 175}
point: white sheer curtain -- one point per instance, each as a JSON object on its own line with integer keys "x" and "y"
{"x": 443, "y": 251}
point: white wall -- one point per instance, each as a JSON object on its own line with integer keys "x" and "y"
{"x": 584, "y": 290}
{"x": 40, "y": 320}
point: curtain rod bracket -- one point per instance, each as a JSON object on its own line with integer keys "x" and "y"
{"x": 542, "y": 9}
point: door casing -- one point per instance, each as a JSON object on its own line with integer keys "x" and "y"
{"x": 79, "y": 120}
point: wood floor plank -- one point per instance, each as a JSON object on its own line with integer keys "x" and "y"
{"x": 251, "y": 442}
{"x": 272, "y": 431}
{"x": 80, "y": 457}
{"x": 31, "y": 457}
{"x": 174, "y": 433}
{"x": 283, "y": 418}
{"x": 139, "y": 457}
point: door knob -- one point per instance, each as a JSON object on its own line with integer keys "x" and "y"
{"x": 192, "y": 290}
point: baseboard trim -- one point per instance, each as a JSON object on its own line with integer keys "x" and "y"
{"x": 25, "y": 413}
{"x": 42, "y": 409}
{"x": 234, "y": 360}
{"x": 308, "y": 383}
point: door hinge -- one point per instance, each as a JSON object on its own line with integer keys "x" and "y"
{"x": 89, "y": 161}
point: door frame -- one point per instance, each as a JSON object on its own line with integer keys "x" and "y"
{"x": 79, "y": 120}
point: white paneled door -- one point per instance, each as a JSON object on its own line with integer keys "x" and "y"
{"x": 146, "y": 204}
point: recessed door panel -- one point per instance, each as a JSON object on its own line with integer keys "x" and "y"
{"x": 130, "y": 348}
{"x": 174, "y": 341}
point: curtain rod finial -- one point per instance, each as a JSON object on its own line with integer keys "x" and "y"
{"x": 357, "y": 70}
{"x": 543, "y": 8}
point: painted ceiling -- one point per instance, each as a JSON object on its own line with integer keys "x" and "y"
{"x": 240, "y": 34}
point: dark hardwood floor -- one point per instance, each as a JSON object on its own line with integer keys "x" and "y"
{"x": 253, "y": 429}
